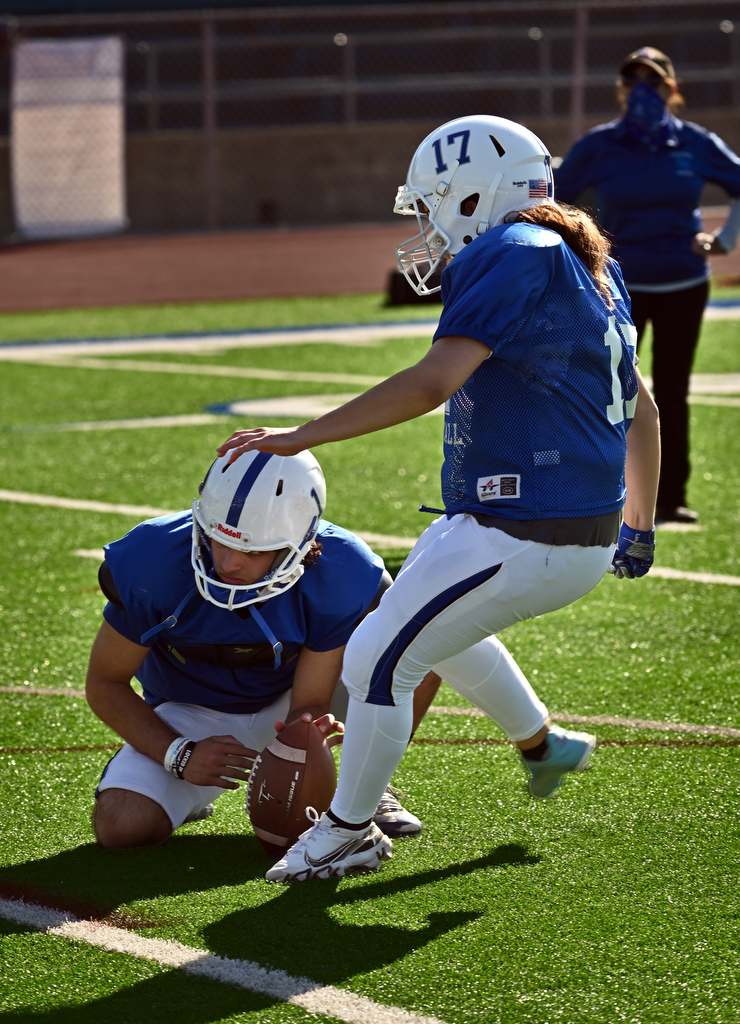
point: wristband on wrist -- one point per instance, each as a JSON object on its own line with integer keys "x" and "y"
{"x": 178, "y": 768}
{"x": 174, "y": 753}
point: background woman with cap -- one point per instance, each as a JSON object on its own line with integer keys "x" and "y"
{"x": 647, "y": 170}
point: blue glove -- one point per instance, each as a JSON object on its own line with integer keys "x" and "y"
{"x": 634, "y": 553}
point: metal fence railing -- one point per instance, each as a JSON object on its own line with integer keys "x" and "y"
{"x": 253, "y": 117}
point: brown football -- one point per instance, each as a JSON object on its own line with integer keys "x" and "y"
{"x": 294, "y": 771}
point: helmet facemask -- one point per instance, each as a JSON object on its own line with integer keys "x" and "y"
{"x": 422, "y": 255}
{"x": 286, "y": 570}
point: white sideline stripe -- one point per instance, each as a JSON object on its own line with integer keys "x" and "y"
{"x": 727, "y": 402}
{"x": 148, "y": 512}
{"x": 367, "y": 334}
{"x": 43, "y": 691}
{"x": 701, "y": 384}
{"x": 292, "y": 407}
{"x": 629, "y": 723}
{"x": 308, "y": 995}
{"x": 678, "y": 527}
{"x": 722, "y": 313}
{"x": 82, "y": 505}
{"x": 694, "y": 577}
{"x": 382, "y": 540}
{"x": 198, "y": 419}
{"x": 197, "y": 370}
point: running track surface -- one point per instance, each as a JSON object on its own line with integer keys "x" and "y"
{"x": 221, "y": 266}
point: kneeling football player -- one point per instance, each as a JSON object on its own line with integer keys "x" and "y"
{"x": 234, "y": 618}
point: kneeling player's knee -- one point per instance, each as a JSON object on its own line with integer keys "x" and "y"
{"x": 123, "y": 820}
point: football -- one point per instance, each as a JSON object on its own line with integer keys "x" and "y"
{"x": 296, "y": 770}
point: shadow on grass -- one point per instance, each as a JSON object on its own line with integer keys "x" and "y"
{"x": 295, "y": 931}
{"x": 172, "y": 996}
{"x": 92, "y": 882}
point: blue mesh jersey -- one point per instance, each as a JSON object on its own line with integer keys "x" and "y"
{"x": 152, "y": 572}
{"x": 538, "y": 430}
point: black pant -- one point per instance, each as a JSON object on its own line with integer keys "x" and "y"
{"x": 676, "y": 319}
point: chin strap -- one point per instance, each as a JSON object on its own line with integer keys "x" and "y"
{"x": 277, "y": 647}
{"x": 484, "y": 210}
{"x": 171, "y": 620}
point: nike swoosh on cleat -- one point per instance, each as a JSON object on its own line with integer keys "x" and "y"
{"x": 330, "y": 858}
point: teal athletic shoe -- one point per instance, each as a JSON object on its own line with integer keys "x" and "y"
{"x": 567, "y": 752}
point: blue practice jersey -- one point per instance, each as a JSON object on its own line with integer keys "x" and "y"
{"x": 648, "y": 200}
{"x": 538, "y": 430}
{"x": 152, "y": 573}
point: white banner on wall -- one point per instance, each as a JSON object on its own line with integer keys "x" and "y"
{"x": 67, "y": 137}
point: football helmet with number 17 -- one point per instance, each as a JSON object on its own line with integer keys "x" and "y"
{"x": 463, "y": 179}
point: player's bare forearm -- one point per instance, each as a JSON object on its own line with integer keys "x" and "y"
{"x": 642, "y": 469}
{"x": 316, "y": 676}
{"x": 404, "y": 396}
{"x": 113, "y": 662}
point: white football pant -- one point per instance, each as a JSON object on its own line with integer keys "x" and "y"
{"x": 131, "y": 770}
{"x": 461, "y": 584}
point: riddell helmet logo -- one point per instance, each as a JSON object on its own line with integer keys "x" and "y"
{"x": 229, "y": 532}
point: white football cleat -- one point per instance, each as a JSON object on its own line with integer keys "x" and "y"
{"x": 328, "y": 851}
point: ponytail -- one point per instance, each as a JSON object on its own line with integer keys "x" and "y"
{"x": 578, "y": 231}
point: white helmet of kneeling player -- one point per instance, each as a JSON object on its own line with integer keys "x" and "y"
{"x": 260, "y": 502}
{"x": 463, "y": 179}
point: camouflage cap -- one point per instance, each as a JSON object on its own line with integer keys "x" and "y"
{"x": 651, "y": 58}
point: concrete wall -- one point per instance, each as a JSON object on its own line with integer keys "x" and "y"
{"x": 296, "y": 176}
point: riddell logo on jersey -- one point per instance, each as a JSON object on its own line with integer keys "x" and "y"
{"x": 491, "y": 488}
{"x": 228, "y": 532}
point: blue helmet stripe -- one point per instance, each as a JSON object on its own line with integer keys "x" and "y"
{"x": 245, "y": 486}
{"x": 381, "y": 683}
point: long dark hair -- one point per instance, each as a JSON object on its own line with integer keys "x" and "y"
{"x": 578, "y": 231}
{"x": 312, "y": 556}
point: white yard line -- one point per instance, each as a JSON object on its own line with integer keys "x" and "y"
{"x": 297, "y": 408}
{"x": 325, "y": 1000}
{"x": 728, "y": 402}
{"x": 380, "y": 539}
{"x": 199, "y": 419}
{"x": 362, "y": 334}
{"x": 629, "y": 723}
{"x": 209, "y": 370}
{"x": 722, "y": 313}
{"x": 81, "y": 505}
{"x": 148, "y": 512}
{"x": 43, "y": 691}
{"x": 693, "y": 577}
{"x": 471, "y": 712}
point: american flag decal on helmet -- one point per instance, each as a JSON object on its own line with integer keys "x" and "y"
{"x": 539, "y": 188}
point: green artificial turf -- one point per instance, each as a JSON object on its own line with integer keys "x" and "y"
{"x": 616, "y": 897}
{"x": 207, "y": 317}
{"x": 47, "y": 980}
{"x": 615, "y": 901}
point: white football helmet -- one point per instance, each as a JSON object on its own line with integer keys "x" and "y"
{"x": 497, "y": 163}
{"x": 260, "y": 502}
